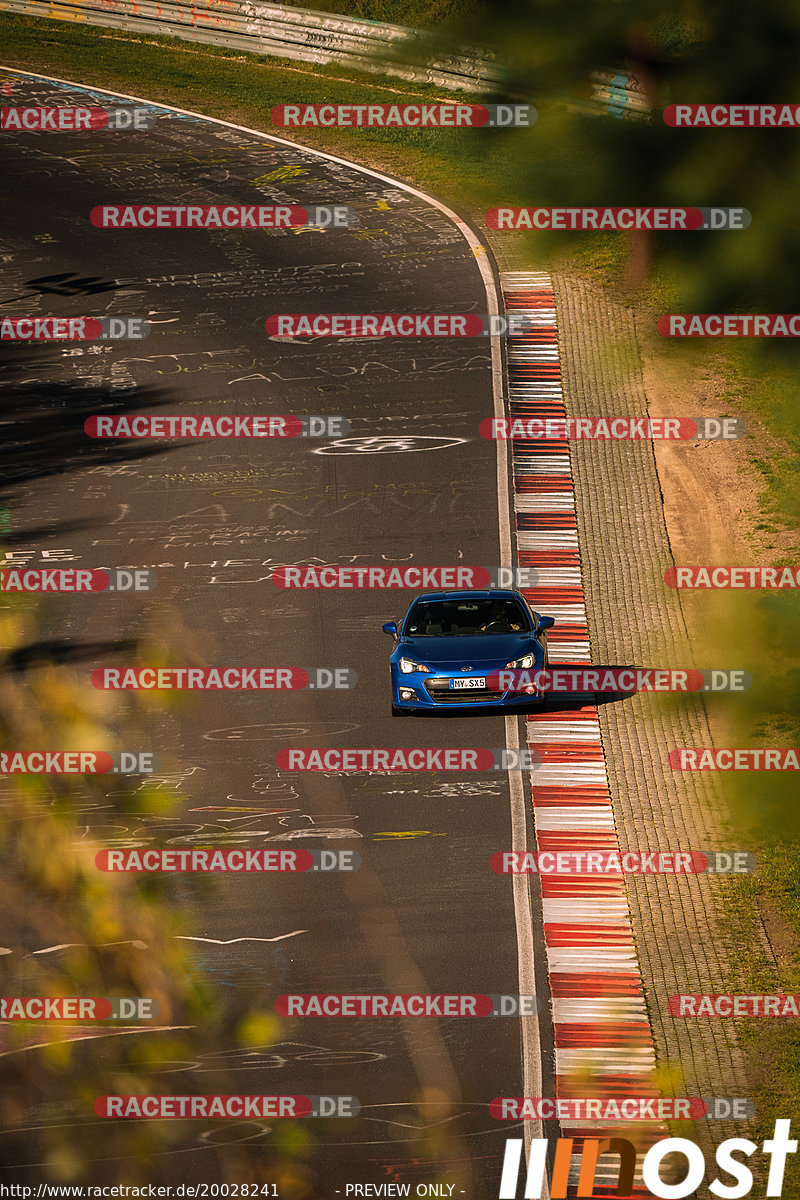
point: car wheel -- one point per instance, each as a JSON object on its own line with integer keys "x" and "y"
{"x": 399, "y": 712}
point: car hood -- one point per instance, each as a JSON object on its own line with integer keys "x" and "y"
{"x": 475, "y": 650}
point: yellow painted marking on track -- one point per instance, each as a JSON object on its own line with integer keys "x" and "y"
{"x": 406, "y": 833}
{"x": 286, "y": 172}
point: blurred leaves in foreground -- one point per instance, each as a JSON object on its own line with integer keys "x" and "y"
{"x": 69, "y": 929}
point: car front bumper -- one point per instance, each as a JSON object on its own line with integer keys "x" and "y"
{"x": 432, "y": 692}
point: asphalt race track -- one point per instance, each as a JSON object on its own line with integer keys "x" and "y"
{"x": 412, "y": 483}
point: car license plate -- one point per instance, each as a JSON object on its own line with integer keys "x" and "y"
{"x": 458, "y": 685}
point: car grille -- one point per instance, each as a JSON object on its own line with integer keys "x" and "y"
{"x": 439, "y": 691}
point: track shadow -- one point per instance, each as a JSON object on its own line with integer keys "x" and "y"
{"x": 571, "y": 701}
{"x": 41, "y": 426}
{"x": 24, "y": 537}
{"x": 42, "y": 437}
{"x": 62, "y": 652}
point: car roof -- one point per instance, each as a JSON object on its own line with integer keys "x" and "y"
{"x": 469, "y": 594}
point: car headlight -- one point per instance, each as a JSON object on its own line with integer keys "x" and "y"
{"x": 523, "y": 663}
{"x": 407, "y": 665}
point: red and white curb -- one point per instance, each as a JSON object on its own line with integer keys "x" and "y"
{"x": 603, "y": 1041}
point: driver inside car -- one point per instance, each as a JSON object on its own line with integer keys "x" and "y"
{"x": 499, "y": 621}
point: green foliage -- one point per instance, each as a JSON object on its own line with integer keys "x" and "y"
{"x": 417, "y": 14}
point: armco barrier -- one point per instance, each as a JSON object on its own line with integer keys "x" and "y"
{"x": 296, "y": 33}
{"x": 309, "y": 36}
{"x": 618, "y": 94}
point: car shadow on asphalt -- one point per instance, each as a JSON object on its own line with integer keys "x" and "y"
{"x": 556, "y": 702}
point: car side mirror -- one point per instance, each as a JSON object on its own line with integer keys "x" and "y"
{"x": 390, "y": 627}
{"x": 545, "y": 623}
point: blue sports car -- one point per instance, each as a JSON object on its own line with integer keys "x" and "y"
{"x": 450, "y": 644}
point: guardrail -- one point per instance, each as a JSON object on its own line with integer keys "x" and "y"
{"x": 309, "y": 36}
{"x": 620, "y": 95}
{"x": 296, "y": 33}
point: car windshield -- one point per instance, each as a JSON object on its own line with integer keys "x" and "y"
{"x": 465, "y": 618}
